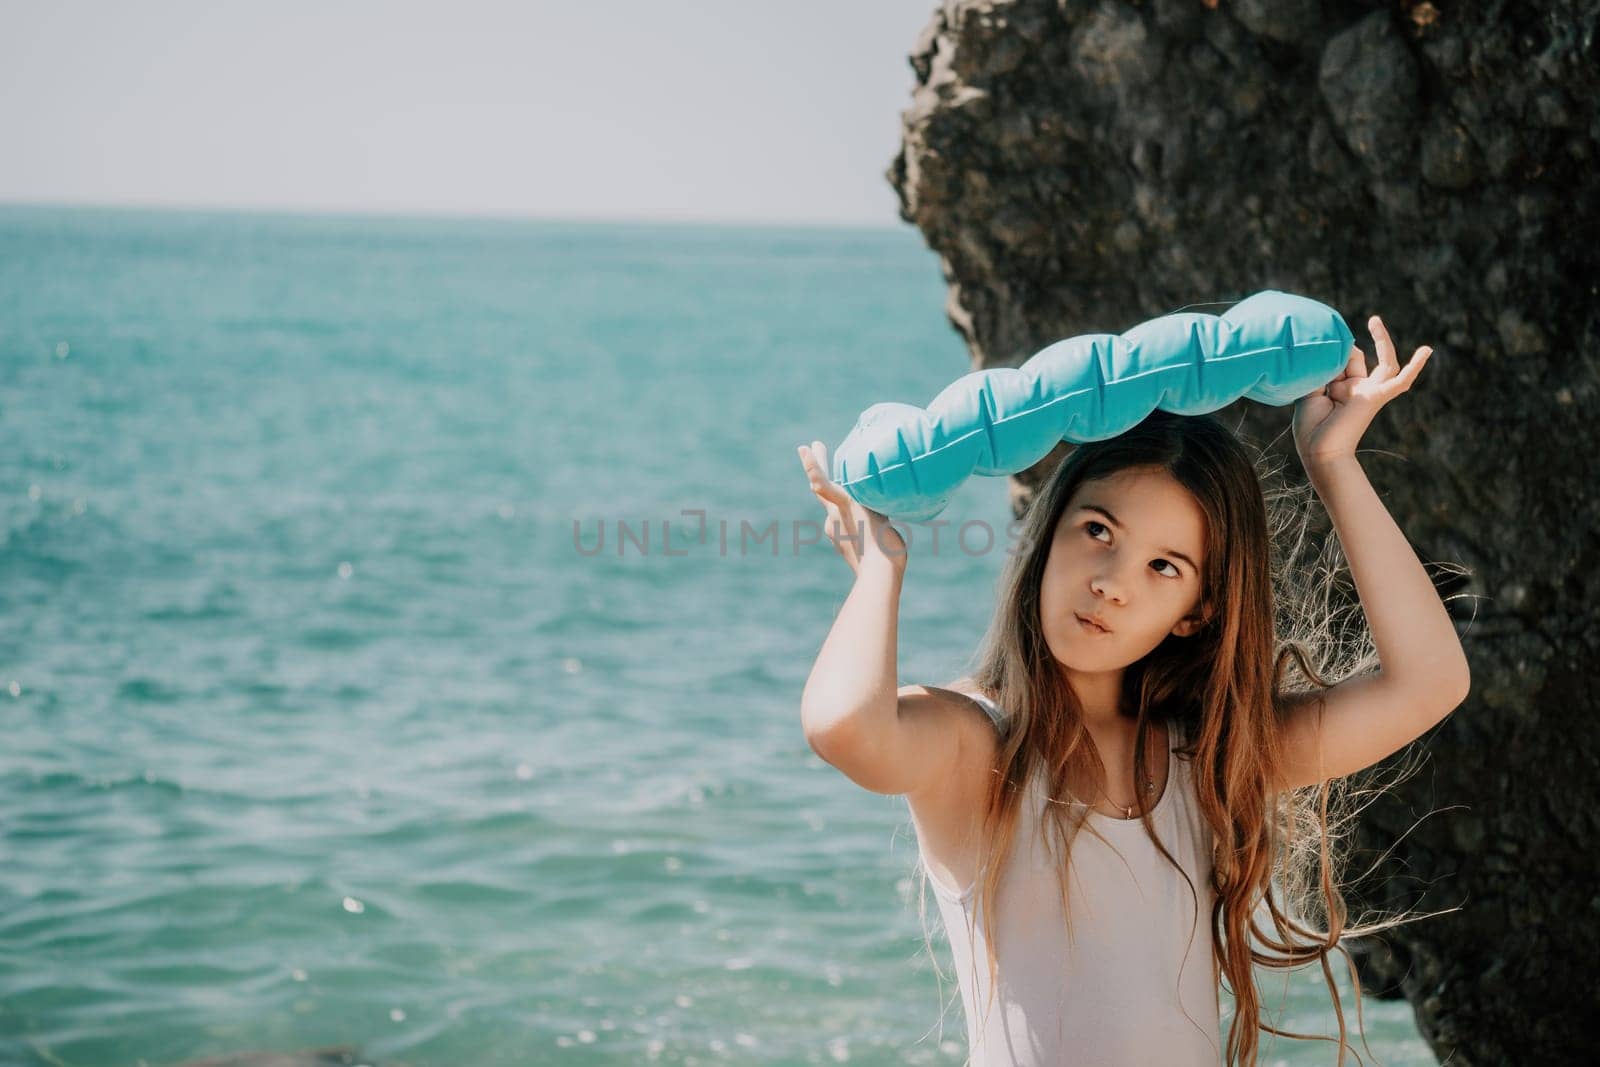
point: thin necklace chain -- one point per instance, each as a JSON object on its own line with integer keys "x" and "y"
{"x": 1127, "y": 809}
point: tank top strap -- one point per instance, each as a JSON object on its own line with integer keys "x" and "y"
{"x": 990, "y": 708}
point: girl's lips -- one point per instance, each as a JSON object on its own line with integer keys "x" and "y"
{"x": 1089, "y": 626}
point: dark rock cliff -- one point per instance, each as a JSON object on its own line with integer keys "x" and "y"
{"x": 1082, "y": 166}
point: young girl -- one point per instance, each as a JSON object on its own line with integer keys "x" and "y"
{"x": 1131, "y": 686}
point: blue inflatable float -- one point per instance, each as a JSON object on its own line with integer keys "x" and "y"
{"x": 906, "y": 462}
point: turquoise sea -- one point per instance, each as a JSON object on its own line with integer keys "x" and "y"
{"x": 324, "y": 722}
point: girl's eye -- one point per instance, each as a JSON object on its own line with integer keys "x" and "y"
{"x": 1176, "y": 573}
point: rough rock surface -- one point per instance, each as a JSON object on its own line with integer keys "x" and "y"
{"x": 1081, "y": 166}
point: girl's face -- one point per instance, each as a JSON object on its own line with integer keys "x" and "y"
{"x": 1128, "y": 549}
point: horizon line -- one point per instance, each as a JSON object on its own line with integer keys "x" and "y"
{"x": 444, "y": 214}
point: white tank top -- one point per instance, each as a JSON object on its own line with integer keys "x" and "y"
{"x": 1117, "y": 994}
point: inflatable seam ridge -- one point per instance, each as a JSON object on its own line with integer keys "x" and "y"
{"x": 984, "y": 399}
{"x": 905, "y": 451}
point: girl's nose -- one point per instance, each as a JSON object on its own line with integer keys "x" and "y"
{"x": 1107, "y": 587}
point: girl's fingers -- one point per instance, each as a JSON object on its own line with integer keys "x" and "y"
{"x": 838, "y": 506}
{"x": 830, "y": 489}
{"x": 1414, "y": 368}
{"x": 1386, "y": 354}
{"x": 820, "y": 451}
{"x": 815, "y": 472}
{"x": 805, "y": 460}
{"x": 808, "y": 459}
{"x": 812, "y": 481}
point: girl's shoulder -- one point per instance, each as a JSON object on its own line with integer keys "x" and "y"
{"x": 966, "y": 709}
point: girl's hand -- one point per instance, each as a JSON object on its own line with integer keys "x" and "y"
{"x": 859, "y": 533}
{"x": 1329, "y": 423}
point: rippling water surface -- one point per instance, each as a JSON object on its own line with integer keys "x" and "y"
{"x": 323, "y": 724}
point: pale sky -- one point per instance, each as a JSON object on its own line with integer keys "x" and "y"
{"x": 726, "y": 110}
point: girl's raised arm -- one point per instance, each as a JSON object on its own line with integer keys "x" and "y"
{"x": 850, "y": 709}
{"x": 1423, "y": 673}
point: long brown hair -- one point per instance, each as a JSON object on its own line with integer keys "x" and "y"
{"x": 1267, "y": 599}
